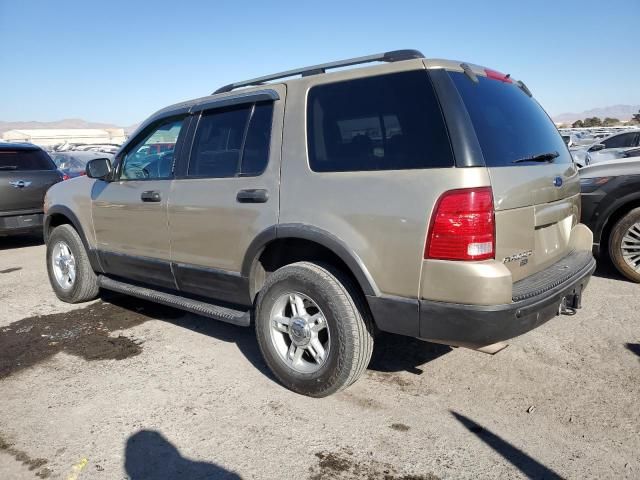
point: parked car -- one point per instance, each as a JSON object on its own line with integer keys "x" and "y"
{"x": 568, "y": 140}
{"x": 308, "y": 218}
{"x": 627, "y": 139}
{"x": 611, "y": 154}
{"x": 611, "y": 208}
{"x": 73, "y": 163}
{"x": 26, "y": 172}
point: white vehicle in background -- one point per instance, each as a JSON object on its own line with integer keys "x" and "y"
{"x": 612, "y": 154}
{"x": 569, "y": 140}
{"x": 623, "y": 140}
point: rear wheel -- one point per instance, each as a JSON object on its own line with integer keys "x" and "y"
{"x": 70, "y": 273}
{"x": 624, "y": 245}
{"x": 313, "y": 329}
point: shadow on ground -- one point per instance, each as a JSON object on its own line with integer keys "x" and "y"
{"x": 150, "y": 456}
{"x": 633, "y": 348}
{"x": 397, "y": 353}
{"x": 20, "y": 241}
{"x": 243, "y": 337}
{"x": 529, "y": 466}
{"x": 88, "y": 333}
{"x": 605, "y": 269}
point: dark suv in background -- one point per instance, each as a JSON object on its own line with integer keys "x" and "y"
{"x": 26, "y": 173}
{"x": 611, "y": 209}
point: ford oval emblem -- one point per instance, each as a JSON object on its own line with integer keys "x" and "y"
{"x": 557, "y": 182}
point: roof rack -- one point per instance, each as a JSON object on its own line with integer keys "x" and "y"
{"x": 393, "y": 56}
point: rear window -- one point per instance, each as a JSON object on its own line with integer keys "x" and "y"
{"x": 509, "y": 124}
{"x": 387, "y": 122}
{"x": 25, "y": 160}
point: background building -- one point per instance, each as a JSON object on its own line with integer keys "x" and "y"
{"x": 48, "y": 137}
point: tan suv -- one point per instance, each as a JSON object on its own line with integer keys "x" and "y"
{"x": 428, "y": 198}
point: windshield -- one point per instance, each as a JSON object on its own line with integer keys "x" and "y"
{"x": 509, "y": 124}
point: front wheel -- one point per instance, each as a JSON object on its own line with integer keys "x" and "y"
{"x": 70, "y": 273}
{"x": 313, "y": 329}
{"x": 624, "y": 245}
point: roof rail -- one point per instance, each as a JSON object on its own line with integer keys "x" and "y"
{"x": 393, "y": 56}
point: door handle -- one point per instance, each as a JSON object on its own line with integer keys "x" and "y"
{"x": 150, "y": 196}
{"x": 259, "y": 195}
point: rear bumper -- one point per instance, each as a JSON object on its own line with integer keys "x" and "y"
{"x": 16, "y": 224}
{"x": 481, "y": 325}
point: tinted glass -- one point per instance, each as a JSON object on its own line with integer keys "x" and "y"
{"x": 217, "y": 144}
{"x": 388, "y": 122}
{"x": 152, "y": 157}
{"x": 509, "y": 124}
{"x": 25, "y": 160}
{"x": 621, "y": 141}
{"x": 256, "y": 146}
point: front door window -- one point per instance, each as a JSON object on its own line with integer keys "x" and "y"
{"x": 152, "y": 158}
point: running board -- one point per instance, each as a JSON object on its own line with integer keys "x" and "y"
{"x": 224, "y": 314}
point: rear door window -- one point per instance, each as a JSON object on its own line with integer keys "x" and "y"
{"x": 255, "y": 155}
{"x": 509, "y": 124}
{"x": 23, "y": 160}
{"x": 232, "y": 142}
{"x": 387, "y": 122}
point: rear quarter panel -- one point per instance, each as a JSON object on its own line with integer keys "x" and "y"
{"x": 382, "y": 216}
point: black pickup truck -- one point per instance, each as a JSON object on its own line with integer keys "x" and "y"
{"x": 26, "y": 173}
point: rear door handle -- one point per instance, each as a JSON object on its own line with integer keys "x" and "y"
{"x": 150, "y": 196}
{"x": 259, "y": 195}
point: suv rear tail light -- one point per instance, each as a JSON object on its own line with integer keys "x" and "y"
{"x": 462, "y": 226}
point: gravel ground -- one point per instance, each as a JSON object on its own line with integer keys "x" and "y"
{"x": 120, "y": 388}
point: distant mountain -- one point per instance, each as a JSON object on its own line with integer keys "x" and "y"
{"x": 621, "y": 112}
{"x": 66, "y": 123}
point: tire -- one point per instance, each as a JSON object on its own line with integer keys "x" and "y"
{"x": 629, "y": 227}
{"x": 84, "y": 286}
{"x": 348, "y": 325}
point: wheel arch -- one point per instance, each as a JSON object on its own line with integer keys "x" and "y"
{"x": 317, "y": 240}
{"x": 61, "y": 215}
{"x": 612, "y": 215}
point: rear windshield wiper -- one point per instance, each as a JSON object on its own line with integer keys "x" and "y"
{"x": 541, "y": 157}
{"x": 8, "y": 167}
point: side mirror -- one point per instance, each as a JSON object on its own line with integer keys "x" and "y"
{"x": 597, "y": 147}
{"x": 99, "y": 168}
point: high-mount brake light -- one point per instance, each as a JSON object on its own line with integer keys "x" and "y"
{"x": 462, "y": 226}
{"x": 494, "y": 75}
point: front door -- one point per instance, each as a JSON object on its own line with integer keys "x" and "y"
{"x": 130, "y": 212}
{"x": 227, "y": 194}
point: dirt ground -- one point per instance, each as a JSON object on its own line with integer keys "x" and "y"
{"x": 124, "y": 389}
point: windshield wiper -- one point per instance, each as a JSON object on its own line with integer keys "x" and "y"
{"x": 541, "y": 157}
{"x": 8, "y": 167}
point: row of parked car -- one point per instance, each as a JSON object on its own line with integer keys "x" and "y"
{"x": 422, "y": 197}
{"x": 587, "y": 148}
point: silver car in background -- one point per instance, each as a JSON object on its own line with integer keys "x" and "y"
{"x": 612, "y": 154}
{"x": 624, "y": 140}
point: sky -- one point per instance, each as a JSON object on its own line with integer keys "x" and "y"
{"x": 119, "y": 61}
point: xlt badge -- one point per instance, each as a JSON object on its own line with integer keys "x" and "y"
{"x": 518, "y": 256}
